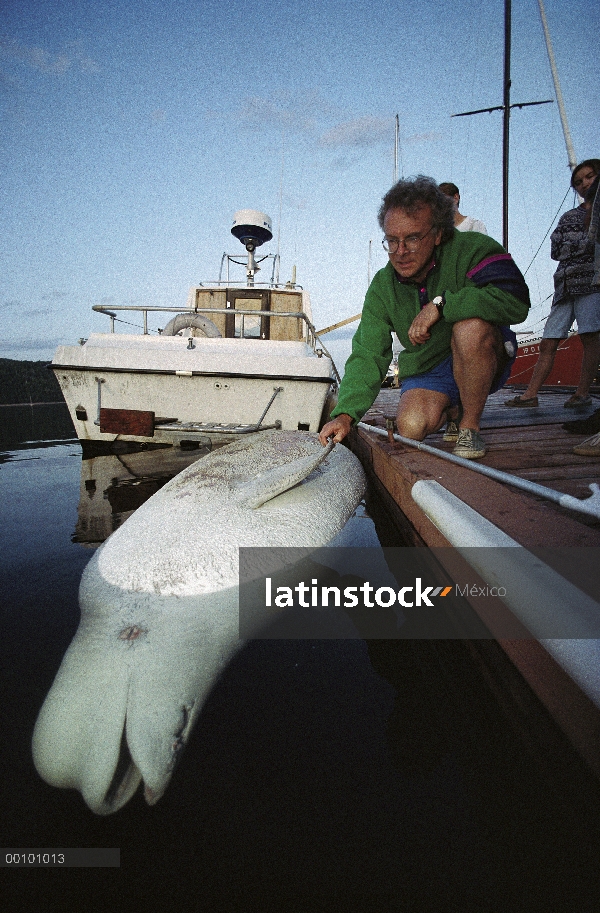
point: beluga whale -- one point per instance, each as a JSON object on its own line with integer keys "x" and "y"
{"x": 159, "y": 609}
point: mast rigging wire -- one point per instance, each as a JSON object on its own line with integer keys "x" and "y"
{"x": 549, "y": 229}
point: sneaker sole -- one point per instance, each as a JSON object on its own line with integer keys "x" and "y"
{"x": 469, "y": 454}
{"x": 587, "y": 451}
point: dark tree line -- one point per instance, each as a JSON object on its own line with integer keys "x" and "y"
{"x": 27, "y": 382}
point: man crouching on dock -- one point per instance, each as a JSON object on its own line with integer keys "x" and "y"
{"x": 450, "y": 297}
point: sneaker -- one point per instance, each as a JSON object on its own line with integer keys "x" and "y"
{"x": 589, "y": 425}
{"x": 577, "y": 402}
{"x": 521, "y": 403}
{"x": 451, "y": 432}
{"x": 591, "y": 447}
{"x": 470, "y": 445}
{"x": 453, "y": 425}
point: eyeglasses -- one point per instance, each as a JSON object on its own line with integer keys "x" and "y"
{"x": 411, "y": 242}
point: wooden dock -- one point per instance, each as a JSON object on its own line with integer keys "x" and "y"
{"x": 531, "y": 444}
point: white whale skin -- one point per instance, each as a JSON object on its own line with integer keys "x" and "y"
{"x": 159, "y": 609}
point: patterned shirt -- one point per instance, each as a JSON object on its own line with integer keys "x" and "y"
{"x": 571, "y": 246}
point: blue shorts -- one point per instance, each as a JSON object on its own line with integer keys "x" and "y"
{"x": 585, "y": 309}
{"x": 441, "y": 378}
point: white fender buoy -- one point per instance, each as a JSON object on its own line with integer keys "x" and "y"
{"x": 191, "y": 322}
{"x": 159, "y": 609}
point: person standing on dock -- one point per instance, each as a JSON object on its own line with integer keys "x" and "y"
{"x": 450, "y": 297}
{"x": 461, "y": 223}
{"x": 576, "y": 297}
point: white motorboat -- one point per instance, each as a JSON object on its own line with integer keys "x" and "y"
{"x": 240, "y": 358}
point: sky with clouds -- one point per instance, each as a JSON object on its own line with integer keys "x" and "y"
{"x": 132, "y": 132}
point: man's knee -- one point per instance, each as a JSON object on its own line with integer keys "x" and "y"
{"x": 411, "y": 425}
{"x": 475, "y": 338}
{"x": 421, "y": 415}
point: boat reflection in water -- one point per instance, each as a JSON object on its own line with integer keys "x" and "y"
{"x": 114, "y": 485}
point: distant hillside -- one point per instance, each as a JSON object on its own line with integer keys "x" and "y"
{"x": 27, "y": 382}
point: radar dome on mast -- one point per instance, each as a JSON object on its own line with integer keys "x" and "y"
{"x": 252, "y": 228}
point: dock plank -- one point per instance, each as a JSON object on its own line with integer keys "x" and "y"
{"x": 537, "y": 449}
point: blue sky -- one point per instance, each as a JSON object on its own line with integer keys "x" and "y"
{"x": 132, "y": 132}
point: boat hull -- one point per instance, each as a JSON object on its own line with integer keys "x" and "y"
{"x": 164, "y": 390}
{"x": 565, "y": 370}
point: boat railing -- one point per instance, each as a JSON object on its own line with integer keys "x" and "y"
{"x": 311, "y": 336}
{"x": 242, "y": 283}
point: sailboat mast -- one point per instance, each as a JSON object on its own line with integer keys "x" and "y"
{"x": 506, "y": 121}
{"x": 396, "y": 146}
{"x": 505, "y": 107}
{"x": 557, "y": 89}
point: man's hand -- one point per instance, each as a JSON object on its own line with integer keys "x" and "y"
{"x": 337, "y": 429}
{"x": 419, "y": 329}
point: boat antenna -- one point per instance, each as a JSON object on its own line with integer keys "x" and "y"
{"x": 396, "y": 133}
{"x": 557, "y": 89}
{"x": 280, "y": 204}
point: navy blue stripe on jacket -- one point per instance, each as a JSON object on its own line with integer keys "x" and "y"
{"x": 501, "y": 270}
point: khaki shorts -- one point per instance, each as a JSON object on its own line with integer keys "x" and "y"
{"x": 585, "y": 309}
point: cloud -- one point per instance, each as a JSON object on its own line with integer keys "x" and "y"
{"x": 36, "y": 58}
{"x": 294, "y": 112}
{"x": 54, "y": 295}
{"x": 430, "y": 137}
{"x": 28, "y": 344}
{"x": 360, "y": 132}
{"x": 260, "y": 112}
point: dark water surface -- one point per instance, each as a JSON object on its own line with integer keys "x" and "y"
{"x": 322, "y": 775}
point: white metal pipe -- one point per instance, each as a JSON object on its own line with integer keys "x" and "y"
{"x": 559, "y": 98}
{"x": 536, "y": 594}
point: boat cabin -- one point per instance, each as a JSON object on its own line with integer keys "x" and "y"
{"x": 253, "y": 313}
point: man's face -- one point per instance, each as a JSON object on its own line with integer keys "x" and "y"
{"x": 400, "y": 225}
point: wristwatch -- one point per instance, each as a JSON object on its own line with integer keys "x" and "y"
{"x": 439, "y": 302}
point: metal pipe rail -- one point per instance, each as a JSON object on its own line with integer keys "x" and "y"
{"x": 312, "y": 337}
{"x": 589, "y": 506}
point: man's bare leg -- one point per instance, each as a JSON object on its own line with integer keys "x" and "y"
{"x": 589, "y": 365}
{"x": 476, "y": 349}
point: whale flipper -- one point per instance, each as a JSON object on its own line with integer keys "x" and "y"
{"x": 278, "y": 479}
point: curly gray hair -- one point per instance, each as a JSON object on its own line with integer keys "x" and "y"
{"x": 411, "y": 195}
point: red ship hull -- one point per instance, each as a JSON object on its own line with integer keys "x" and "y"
{"x": 566, "y": 367}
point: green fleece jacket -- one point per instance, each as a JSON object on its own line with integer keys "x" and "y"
{"x": 477, "y": 278}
